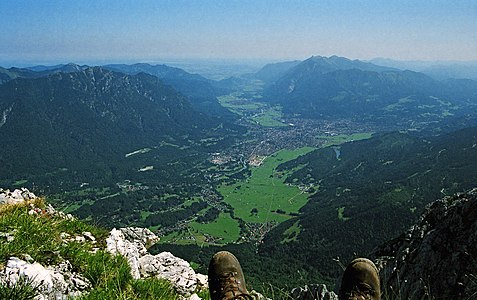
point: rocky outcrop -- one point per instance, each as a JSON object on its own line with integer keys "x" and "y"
{"x": 132, "y": 243}
{"x": 16, "y": 196}
{"x": 60, "y": 282}
{"x": 313, "y": 292}
{"x": 52, "y": 282}
{"x": 437, "y": 257}
{"x": 178, "y": 271}
{"x": 51, "y": 211}
{"x": 117, "y": 243}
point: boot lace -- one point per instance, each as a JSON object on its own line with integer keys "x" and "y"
{"x": 230, "y": 287}
{"x": 361, "y": 291}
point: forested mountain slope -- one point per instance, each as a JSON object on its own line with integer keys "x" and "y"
{"x": 200, "y": 91}
{"x": 340, "y": 88}
{"x": 369, "y": 191}
{"x": 81, "y": 125}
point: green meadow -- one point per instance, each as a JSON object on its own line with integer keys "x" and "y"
{"x": 344, "y": 138}
{"x": 270, "y": 117}
{"x": 258, "y": 112}
{"x": 222, "y": 230}
{"x": 264, "y": 197}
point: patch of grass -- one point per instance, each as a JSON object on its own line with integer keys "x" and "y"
{"x": 333, "y": 140}
{"x": 204, "y": 295}
{"x": 397, "y": 196}
{"x": 341, "y": 214}
{"x": 265, "y": 191}
{"x": 275, "y": 293}
{"x": 23, "y": 289}
{"x": 39, "y": 235}
{"x": 238, "y": 105}
{"x": 247, "y": 106}
{"x": 106, "y": 271}
{"x": 145, "y": 214}
{"x": 291, "y": 234}
{"x": 32, "y": 234}
{"x": 224, "y": 228}
{"x": 270, "y": 117}
{"x": 20, "y": 182}
{"x": 399, "y": 104}
{"x": 153, "y": 289}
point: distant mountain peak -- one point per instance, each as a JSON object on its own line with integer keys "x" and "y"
{"x": 334, "y": 63}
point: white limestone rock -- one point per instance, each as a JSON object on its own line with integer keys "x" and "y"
{"x": 202, "y": 281}
{"x": 17, "y": 196}
{"x": 174, "y": 269}
{"x": 53, "y": 282}
{"x": 313, "y": 292}
{"x": 116, "y": 243}
{"x": 194, "y": 297}
{"x": 132, "y": 243}
{"x": 89, "y": 236}
{"x": 8, "y": 236}
{"x": 140, "y": 236}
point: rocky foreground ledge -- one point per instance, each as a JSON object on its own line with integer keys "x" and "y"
{"x": 436, "y": 258}
{"x": 61, "y": 282}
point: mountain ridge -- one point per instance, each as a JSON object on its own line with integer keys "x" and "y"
{"x": 340, "y": 88}
{"x": 91, "y": 119}
{"x": 201, "y": 92}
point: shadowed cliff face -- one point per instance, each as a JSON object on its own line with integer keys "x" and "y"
{"x": 436, "y": 257}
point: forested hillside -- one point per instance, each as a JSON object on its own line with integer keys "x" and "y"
{"x": 336, "y": 87}
{"x": 86, "y": 126}
{"x": 201, "y": 92}
{"x": 367, "y": 192}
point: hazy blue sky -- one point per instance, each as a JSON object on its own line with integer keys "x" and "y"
{"x": 41, "y": 31}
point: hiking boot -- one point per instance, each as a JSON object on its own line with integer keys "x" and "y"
{"x": 226, "y": 280}
{"x": 360, "y": 281}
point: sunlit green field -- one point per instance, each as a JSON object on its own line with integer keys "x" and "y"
{"x": 223, "y": 230}
{"x": 258, "y": 198}
{"x": 270, "y": 117}
{"x": 261, "y": 198}
{"x": 344, "y": 138}
{"x": 258, "y": 112}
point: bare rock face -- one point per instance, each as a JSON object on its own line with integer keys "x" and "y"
{"x": 117, "y": 243}
{"x": 435, "y": 258}
{"x": 16, "y": 196}
{"x": 167, "y": 266}
{"x": 53, "y": 282}
{"x": 132, "y": 243}
{"x": 140, "y": 236}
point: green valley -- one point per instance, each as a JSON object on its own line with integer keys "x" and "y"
{"x": 264, "y": 196}
{"x": 255, "y": 204}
